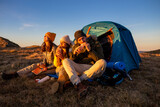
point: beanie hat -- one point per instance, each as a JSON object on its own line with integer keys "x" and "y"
{"x": 66, "y": 39}
{"x": 79, "y": 34}
{"x": 51, "y": 36}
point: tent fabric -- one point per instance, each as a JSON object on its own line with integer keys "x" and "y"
{"x": 124, "y": 48}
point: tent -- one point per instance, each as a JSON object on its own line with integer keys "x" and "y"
{"x": 123, "y": 48}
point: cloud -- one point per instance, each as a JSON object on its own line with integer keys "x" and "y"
{"x": 135, "y": 25}
{"x": 26, "y": 25}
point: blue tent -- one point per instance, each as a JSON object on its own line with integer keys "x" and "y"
{"x": 124, "y": 48}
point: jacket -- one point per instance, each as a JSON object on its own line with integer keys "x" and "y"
{"x": 48, "y": 59}
{"x": 58, "y": 61}
{"x": 90, "y": 57}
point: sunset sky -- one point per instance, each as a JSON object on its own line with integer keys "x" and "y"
{"x": 26, "y": 21}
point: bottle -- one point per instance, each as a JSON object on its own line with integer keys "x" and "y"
{"x": 36, "y": 80}
{"x": 44, "y": 79}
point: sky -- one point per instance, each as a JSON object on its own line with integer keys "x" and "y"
{"x": 25, "y": 22}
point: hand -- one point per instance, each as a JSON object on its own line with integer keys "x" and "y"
{"x": 41, "y": 65}
{"x": 44, "y": 69}
{"x": 38, "y": 64}
{"x": 87, "y": 35}
{"x": 87, "y": 45}
{"x": 78, "y": 50}
{"x": 59, "y": 53}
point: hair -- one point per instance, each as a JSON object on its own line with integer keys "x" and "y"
{"x": 67, "y": 49}
{"x": 78, "y": 34}
{"x": 46, "y": 48}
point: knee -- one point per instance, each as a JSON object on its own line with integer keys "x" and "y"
{"x": 34, "y": 65}
{"x": 63, "y": 78}
{"x": 66, "y": 59}
{"x": 102, "y": 62}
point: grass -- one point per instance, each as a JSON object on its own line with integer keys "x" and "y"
{"x": 144, "y": 90}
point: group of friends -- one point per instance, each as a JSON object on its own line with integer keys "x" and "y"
{"x": 72, "y": 61}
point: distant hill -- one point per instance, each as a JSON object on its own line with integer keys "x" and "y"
{"x": 150, "y": 53}
{"x": 4, "y": 43}
{"x": 154, "y": 51}
{"x": 33, "y": 46}
{"x": 141, "y": 51}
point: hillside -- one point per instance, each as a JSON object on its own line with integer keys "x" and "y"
{"x": 154, "y": 52}
{"x": 5, "y": 43}
{"x": 144, "y": 90}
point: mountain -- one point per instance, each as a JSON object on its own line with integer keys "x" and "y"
{"x": 4, "y": 43}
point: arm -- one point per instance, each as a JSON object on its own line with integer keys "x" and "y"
{"x": 58, "y": 57}
{"x": 74, "y": 56}
{"x": 57, "y": 61}
{"x": 93, "y": 55}
{"x": 50, "y": 67}
{"x": 99, "y": 50}
{"x": 44, "y": 60}
{"x": 53, "y": 53}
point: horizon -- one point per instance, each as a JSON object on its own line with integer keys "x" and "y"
{"x": 140, "y": 51}
{"x": 26, "y": 22}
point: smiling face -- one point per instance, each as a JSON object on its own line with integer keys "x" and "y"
{"x": 46, "y": 38}
{"x": 81, "y": 40}
{"x": 64, "y": 45}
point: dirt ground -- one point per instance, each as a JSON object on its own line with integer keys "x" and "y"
{"x": 143, "y": 90}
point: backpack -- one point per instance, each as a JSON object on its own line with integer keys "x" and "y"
{"x": 111, "y": 77}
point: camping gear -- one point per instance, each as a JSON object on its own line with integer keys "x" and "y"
{"x": 111, "y": 77}
{"x": 122, "y": 43}
{"x": 110, "y": 29}
{"x": 120, "y": 67}
{"x": 88, "y": 30}
{"x": 53, "y": 75}
{"x": 116, "y": 65}
{"x": 43, "y": 79}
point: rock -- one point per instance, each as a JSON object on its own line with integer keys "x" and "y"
{"x": 4, "y": 43}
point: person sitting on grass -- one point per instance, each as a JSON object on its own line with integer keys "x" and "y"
{"x": 48, "y": 48}
{"x": 64, "y": 48}
{"x": 87, "y": 50}
{"x": 78, "y": 72}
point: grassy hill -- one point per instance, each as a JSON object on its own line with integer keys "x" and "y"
{"x": 144, "y": 90}
{"x": 154, "y": 52}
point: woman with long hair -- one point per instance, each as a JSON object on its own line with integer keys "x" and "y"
{"x": 48, "y": 48}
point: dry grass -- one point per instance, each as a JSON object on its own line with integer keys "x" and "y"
{"x": 144, "y": 90}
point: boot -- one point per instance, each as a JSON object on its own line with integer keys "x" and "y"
{"x": 82, "y": 90}
{"x": 54, "y": 88}
{"x": 68, "y": 84}
{"x": 9, "y": 76}
{"x": 62, "y": 79}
